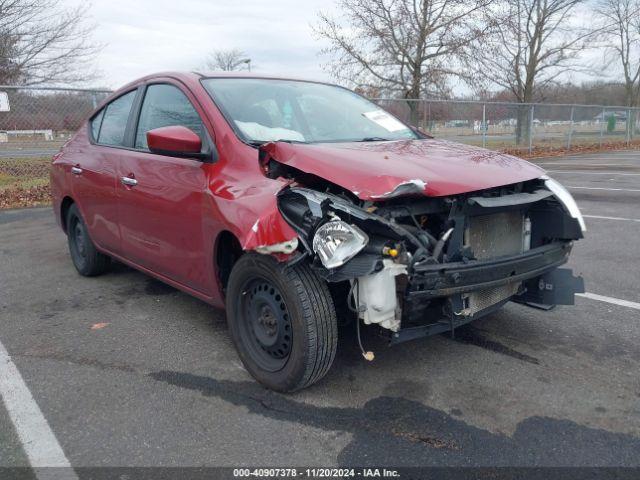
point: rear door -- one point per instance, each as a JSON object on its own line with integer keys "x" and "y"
{"x": 161, "y": 198}
{"x": 94, "y": 175}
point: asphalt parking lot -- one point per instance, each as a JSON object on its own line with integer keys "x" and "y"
{"x": 128, "y": 371}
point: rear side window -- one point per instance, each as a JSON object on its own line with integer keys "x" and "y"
{"x": 163, "y": 106}
{"x": 114, "y": 123}
{"x": 95, "y": 124}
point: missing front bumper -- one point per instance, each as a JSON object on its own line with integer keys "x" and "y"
{"x": 450, "y": 295}
{"x": 442, "y": 280}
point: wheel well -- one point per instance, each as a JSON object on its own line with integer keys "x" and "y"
{"x": 64, "y": 208}
{"x": 228, "y": 251}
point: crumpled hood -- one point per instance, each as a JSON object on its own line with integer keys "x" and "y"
{"x": 378, "y": 170}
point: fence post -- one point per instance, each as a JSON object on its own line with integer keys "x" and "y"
{"x": 484, "y": 125}
{"x": 424, "y": 115}
{"x": 570, "y": 129}
{"x": 602, "y": 125}
{"x": 628, "y": 127}
{"x": 94, "y": 99}
{"x": 531, "y": 109}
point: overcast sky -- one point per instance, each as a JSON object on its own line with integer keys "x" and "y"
{"x": 146, "y": 36}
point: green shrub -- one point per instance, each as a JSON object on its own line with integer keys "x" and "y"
{"x": 611, "y": 123}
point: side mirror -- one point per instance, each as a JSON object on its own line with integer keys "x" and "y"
{"x": 175, "y": 141}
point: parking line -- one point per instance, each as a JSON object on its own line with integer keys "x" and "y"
{"x": 601, "y": 217}
{"x": 585, "y": 164}
{"x": 581, "y": 172}
{"x": 615, "y": 301}
{"x": 608, "y": 189}
{"x": 595, "y": 157}
{"x": 39, "y": 442}
{"x": 621, "y": 154}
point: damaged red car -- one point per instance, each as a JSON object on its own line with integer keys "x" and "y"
{"x": 293, "y": 203}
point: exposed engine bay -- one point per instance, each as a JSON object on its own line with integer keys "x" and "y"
{"x": 417, "y": 265}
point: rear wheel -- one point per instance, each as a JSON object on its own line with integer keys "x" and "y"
{"x": 86, "y": 258}
{"x": 282, "y": 322}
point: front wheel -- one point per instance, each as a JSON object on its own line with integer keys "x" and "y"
{"x": 282, "y": 321}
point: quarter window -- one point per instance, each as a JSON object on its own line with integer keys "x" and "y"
{"x": 163, "y": 106}
{"x": 95, "y": 124}
{"x": 114, "y": 123}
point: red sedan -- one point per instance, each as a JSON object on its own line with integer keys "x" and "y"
{"x": 293, "y": 203}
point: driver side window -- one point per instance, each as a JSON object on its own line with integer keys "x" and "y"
{"x": 165, "y": 105}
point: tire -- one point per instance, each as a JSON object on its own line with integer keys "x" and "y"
{"x": 88, "y": 261}
{"x": 282, "y": 321}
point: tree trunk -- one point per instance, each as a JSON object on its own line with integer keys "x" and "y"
{"x": 414, "y": 113}
{"x": 523, "y": 119}
{"x": 414, "y": 94}
{"x": 523, "y": 125}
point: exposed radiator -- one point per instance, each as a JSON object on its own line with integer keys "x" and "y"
{"x": 491, "y": 236}
{"x": 497, "y": 235}
{"x": 479, "y": 300}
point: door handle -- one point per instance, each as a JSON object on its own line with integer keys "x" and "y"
{"x": 76, "y": 170}
{"x": 131, "y": 182}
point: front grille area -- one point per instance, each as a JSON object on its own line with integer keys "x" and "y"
{"x": 481, "y": 299}
{"x": 491, "y": 236}
{"x": 496, "y": 235}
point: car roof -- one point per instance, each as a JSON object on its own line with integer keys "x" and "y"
{"x": 188, "y": 77}
{"x": 246, "y": 74}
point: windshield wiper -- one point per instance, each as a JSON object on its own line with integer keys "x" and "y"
{"x": 374, "y": 139}
{"x": 290, "y": 141}
{"x": 258, "y": 143}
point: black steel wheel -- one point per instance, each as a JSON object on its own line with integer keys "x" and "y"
{"x": 282, "y": 322}
{"x": 86, "y": 258}
{"x": 266, "y": 323}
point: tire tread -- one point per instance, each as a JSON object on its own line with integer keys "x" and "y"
{"x": 314, "y": 305}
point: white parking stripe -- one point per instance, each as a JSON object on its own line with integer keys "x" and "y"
{"x": 597, "y": 157}
{"x": 625, "y": 154}
{"x": 612, "y": 218}
{"x": 582, "y": 172}
{"x": 39, "y": 442}
{"x": 615, "y": 301}
{"x": 603, "y": 188}
{"x": 585, "y": 164}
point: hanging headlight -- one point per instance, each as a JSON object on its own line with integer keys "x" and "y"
{"x": 336, "y": 242}
{"x": 566, "y": 199}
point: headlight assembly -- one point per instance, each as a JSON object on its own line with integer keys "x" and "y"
{"x": 336, "y": 242}
{"x": 566, "y": 199}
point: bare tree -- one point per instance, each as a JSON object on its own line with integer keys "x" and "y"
{"x": 227, "y": 60}
{"x": 537, "y": 40}
{"x": 403, "y": 47}
{"x": 621, "y": 20}
{"x": 41, "y": 42}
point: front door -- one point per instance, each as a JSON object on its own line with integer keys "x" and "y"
{"x": 161, "y": 198}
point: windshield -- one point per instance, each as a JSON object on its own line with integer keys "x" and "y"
{"x": 262, "y": 110}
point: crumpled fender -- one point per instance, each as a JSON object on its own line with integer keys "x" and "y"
{"x": 252, "y": 211}
{"x": 269, "y": 229}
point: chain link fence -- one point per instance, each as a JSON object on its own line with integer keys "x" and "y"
{"x": 35, "y": 123}
{"x": 526, "y": 128}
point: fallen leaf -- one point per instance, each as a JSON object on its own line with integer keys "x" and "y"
{"x": 98, "y": 326}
